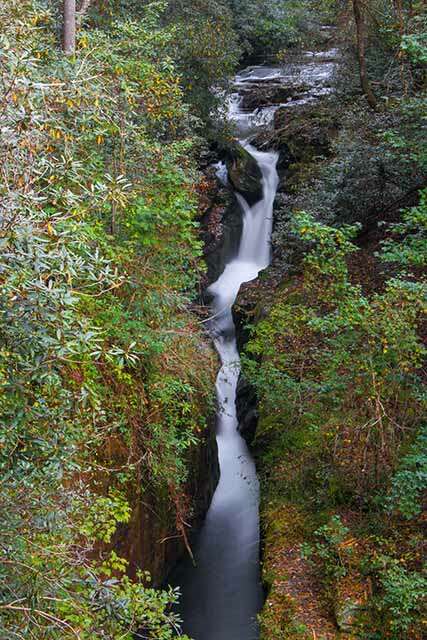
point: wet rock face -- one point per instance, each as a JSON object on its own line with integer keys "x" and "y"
{"x": 221, "y": 218}
{"x": 204, "y": 474}
{"x": 261, "y": 95}
{"x": 150, "y": 541}
{"x": 226, "y": 242}
{"x": 244, "y": 174}
{"x": 247, "y": 412}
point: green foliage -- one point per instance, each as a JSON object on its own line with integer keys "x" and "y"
{"x": 328, "y": 350}
{"x": 398, "y": 603}
{"x": 396, "y": 48}
{"x": 411, "y": 249}
{"x": 176, "y": 431}
{"x": 205, "y": 44}
{"x": 120, "y": 605}
{"x": 329, "y": 552}
{"x": 105, "y": 513}
{"x": 415, "y": 46}
{"x": 338, "y": 355}
{"x": 410, "y": 481}
{"x": 271, "y": 26}
{"x": 403, "y": 592}
{"x": 336, "y": 370}
{"x": 98, "y": 254}
{"x": 264, "y": 24}
{"x": 379, "y": 170}
{"x": 414, "y": 42}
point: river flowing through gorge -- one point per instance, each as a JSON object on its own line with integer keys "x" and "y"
{"x": 222, "y": 592}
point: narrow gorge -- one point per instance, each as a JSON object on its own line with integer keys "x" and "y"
{"x": 221, "y": 590}
{"x": 213, "y": 337}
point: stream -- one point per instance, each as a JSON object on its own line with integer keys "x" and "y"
{"x": 222, "y": 593}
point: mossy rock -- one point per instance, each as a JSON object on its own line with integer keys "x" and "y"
{"x": 305, "y": 133}
{"x": 244, "y": 174}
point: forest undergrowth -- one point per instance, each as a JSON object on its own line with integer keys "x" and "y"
{"x": 337, "y": 355}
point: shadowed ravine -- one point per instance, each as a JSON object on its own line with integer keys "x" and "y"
{"x": 222, "y": 594}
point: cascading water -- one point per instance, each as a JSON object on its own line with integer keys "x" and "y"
{"x": 222, "y": 594}
{"x": 254, "y": 248}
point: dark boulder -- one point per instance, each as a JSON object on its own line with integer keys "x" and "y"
{"x": 259, "y": 96}
{"x": 247, "y": 412}
{"x": 244, "y": 174}
{"x": 307, "y": 132}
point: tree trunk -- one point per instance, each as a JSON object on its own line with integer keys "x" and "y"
{"x": 361, "y": 40}
{"x": 402, "y": 58}
{"x": 69, "y": 27}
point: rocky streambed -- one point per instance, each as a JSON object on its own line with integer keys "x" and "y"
{"x": 279, "y": 107}
{"x": 301, "y": 80}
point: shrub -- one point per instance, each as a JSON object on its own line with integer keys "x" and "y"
{"x": 410, "y": 481}
{"x": 98, "y": 253}
{"x": 341, "y": 362}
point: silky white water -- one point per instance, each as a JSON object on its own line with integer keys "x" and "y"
{"x": 222, "y": 594}
{"x": 254, "y": 249}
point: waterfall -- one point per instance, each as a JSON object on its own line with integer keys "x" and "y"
{"x": 222, "y": 595}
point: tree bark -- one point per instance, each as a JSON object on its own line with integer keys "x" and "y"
{"x": 402, "y": 58}
{"x": 69, "y": 27}
{"x": 359, "y": 19}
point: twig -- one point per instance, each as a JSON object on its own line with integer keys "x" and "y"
{"x": 43, "y": 614}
